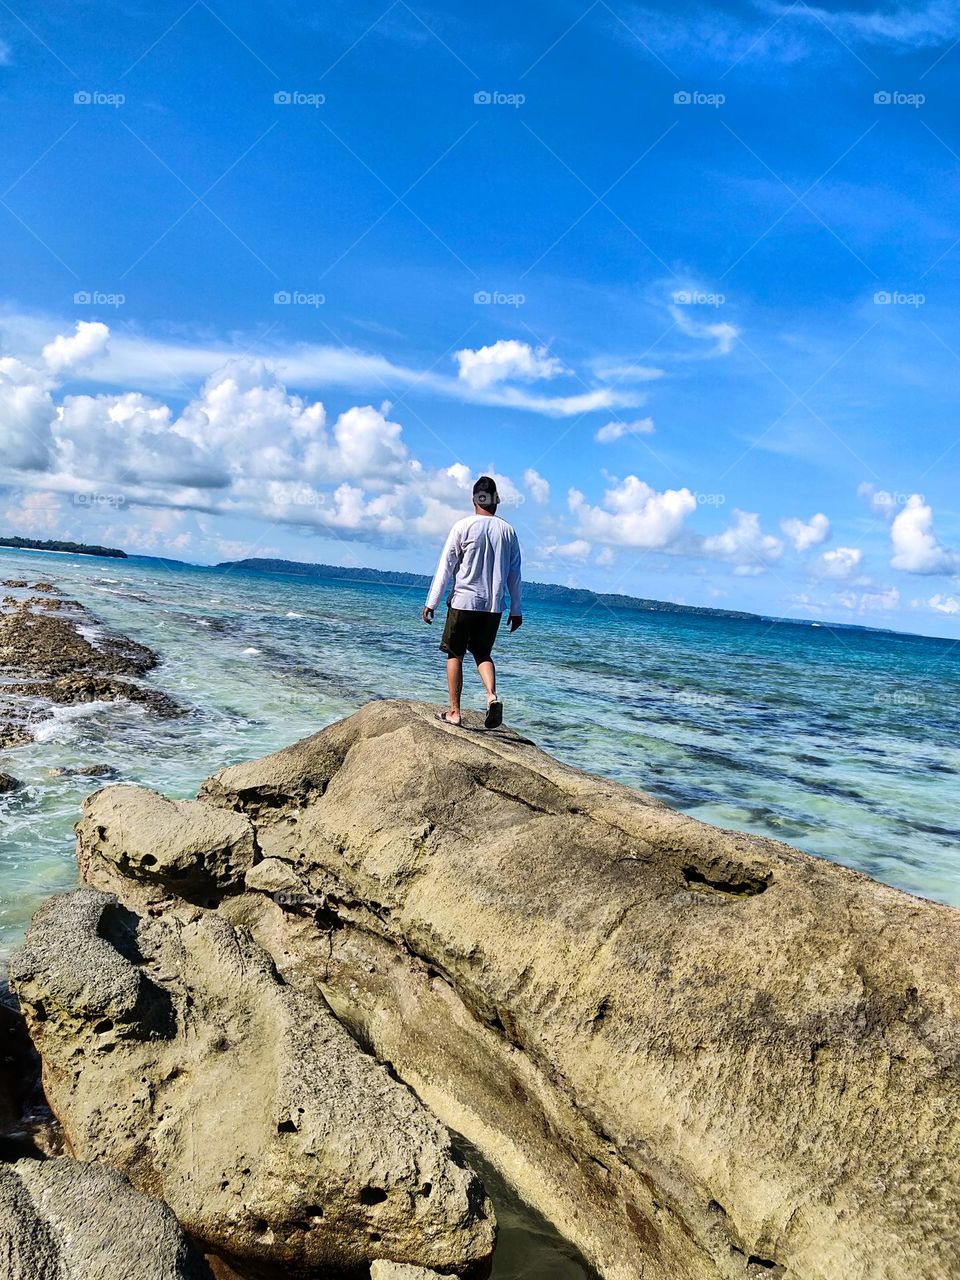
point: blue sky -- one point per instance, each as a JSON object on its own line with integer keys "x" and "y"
{"x": 281, "y": 279}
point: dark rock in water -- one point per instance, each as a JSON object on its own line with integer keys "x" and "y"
{"x": 14, "y": 735}
{"x": 84, "y": 771}
{"x": 38, "y": 644}
{"x": 9, "y": 783}
{"x": 44, "y": 586}
{"x": 73, "y": 689}
{"x": 16, "y": 583}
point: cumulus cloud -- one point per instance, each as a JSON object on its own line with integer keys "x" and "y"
{"x": 806, "y": 534}
{"x": 616, "y": 430}
{"x": 869, "y": 601}
{"x": 504, "y": 361}
{"x": 915, "y": 546}
{"x": 841, "y": 562}
{"x": 242, "y": 446}
{"x": 36, "y": 512}
{"x": 579, "y": 549}
{"x": 538, "y": 487}
{"x": 941, "y": 604}
{"x": 744, "y": 545}
{"x": 632, "y": 514}
{"x": 86, "y": 343}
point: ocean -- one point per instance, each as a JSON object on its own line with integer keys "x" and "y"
{"x": 842, "y": 742}
{"x": 846, "y": 743}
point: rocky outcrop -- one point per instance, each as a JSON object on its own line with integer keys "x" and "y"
{"x": 62, "y": 1220}
{"x": 172, "y": 1051}
{"x": 702, "y": 1055}
{"x": 699, "y": 1053}
{"x": 50, "y": 657}
{"x": 9, "y": 783}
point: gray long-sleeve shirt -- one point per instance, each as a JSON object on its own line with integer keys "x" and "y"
{"x": 482, "y": 556}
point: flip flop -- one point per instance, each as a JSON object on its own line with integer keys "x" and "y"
{"x": 494, "y": 717}
{"x": 454, "y": 724}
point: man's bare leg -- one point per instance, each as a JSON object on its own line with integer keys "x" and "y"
{"x": 488, "y": 674}
{"x": 455, "y": 687}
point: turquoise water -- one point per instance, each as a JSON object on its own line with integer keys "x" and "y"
{"x": 844, "y": 743}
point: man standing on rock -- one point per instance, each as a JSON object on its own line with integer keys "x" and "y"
{"x": 482, "y": 557}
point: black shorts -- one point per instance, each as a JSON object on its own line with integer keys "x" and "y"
{"x": 469, "y": 629}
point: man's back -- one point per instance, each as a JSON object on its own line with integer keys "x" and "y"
{"x": 482, "y": 555}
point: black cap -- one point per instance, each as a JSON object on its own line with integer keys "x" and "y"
{"x": 485, "y": 492}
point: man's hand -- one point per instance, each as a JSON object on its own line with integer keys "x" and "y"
{"x": 427, "y": 615}
{"x": 516, "y": 621}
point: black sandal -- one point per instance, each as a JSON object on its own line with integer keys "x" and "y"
{"x": 494, "y": 717}
{"x": 442, "y": 716}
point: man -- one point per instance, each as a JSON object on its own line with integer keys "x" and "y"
{"x": 482, "y": 556}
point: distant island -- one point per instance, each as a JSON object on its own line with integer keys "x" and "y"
{"x": 545, "y": 592}
{"x": 69, "y": 548}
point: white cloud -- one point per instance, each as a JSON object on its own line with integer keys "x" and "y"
{"x": 632, "y": 514}
{"x": 242, "y": 446}
{"x": 539, "y": 487}
{"x": 869, "y": 601}
{"x": 504, "y": 361}
{"x": 82, "y": 347}
{"x": 36, "y": 512}
{"x": 604, "y": 557}
{"x": 807, "y": 534}
{"x": 912, "y": 26}
{"x": 840, "y": 562}
{"x": 721, "y": 334}
{"x": 915, "y": 547}
{"x": 745, "y": 545}
{"x": 881, "y": 501}
{"x": 941, "y": 604}
{"x": 615, "y": 430}
{"x": 579, "y": 549}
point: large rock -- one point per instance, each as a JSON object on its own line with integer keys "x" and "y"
{"x": 701, "y": 1054}
{"x": 63, "y": 1220}
{"x": 172, "y": 1051}
{"x": 181, "y": 844}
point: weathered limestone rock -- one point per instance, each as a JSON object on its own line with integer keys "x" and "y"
{"x": 172, "y": 1051}
{"x": 187, "y": 846}
{"x": 63, "y": 1220}
{"x": 701, "y": 1054}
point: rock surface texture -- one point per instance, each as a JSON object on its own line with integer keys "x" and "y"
{"x": 702, "y": 1055}
{"x": 62, "y": 1220}
{"x": 172, "y": 1051}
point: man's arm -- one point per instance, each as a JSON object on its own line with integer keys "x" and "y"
{"x": 446, "y": 567}
{"x": 515, "y": 586}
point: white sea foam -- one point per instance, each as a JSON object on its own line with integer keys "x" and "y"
{"x": 250, "y": 653}
{"x": 61, "y": 725}
{"x": 291, "y": 614}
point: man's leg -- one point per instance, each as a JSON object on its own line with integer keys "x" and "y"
{"x": 455, "y": 686}
{"x": 488, "y": 674}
